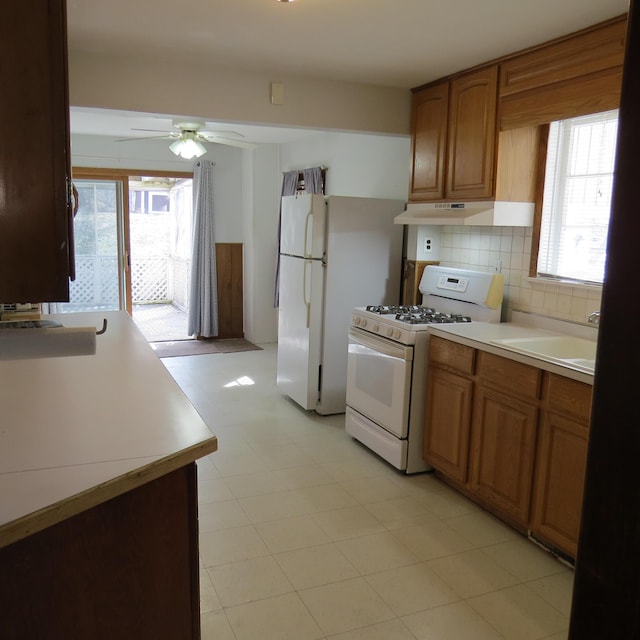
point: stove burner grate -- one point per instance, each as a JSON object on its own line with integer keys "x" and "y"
{"x": 395, "y": 309}
{"x": 415, "y": 314}
{"x": 434, "y": 317}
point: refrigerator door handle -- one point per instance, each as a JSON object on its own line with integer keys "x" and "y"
{"x": 306, "y": 298}
{"x": 306, "y": 253}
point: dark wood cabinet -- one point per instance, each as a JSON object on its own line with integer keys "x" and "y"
{"x": 126, "y": 569}
{"x": 36, "y": 242}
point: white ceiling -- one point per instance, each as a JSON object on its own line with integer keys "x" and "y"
{"x": 397, "y": 43}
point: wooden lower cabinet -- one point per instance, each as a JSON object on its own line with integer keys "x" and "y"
{"x": 561, "y": 461}
{"x": 502, "y": 453}
{"x": 511, "y": 437}
{"x": 448, "y": 416}
{"x": 126, "y": 569}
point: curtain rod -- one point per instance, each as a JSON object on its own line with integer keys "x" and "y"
{"x": 302, "y": 170}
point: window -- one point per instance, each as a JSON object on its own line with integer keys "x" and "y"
{"x": 147, "y": 201}
{"x": 577, "y": 197}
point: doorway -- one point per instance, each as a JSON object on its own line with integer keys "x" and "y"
{"x": 133, "y": 248}
{"x": 160, "y": 215}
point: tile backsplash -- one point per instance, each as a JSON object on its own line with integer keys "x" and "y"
{"x": 508, "y": 251}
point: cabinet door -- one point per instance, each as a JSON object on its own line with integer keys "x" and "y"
{"x": 471, "y": 140}
{"x": 428, "y": 142}
{"x": 447, "y": 422}
{"x": 559, "y": 481}
{"x": 35, "y": 227}
{"x": 502, "y": 452}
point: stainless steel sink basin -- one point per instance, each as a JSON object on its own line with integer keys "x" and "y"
{"x": 574, "y": 352}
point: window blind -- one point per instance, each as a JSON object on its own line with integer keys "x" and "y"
{"x": 577, "y": 197}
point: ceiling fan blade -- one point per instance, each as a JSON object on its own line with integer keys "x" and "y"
{"x": 230, "y": 142}
{"x": 143, "y": 138}
{"x": 221, "y": 134}
{"x": 152, "y": 130}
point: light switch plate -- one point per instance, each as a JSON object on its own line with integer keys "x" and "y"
{"x": 277, "y": 93}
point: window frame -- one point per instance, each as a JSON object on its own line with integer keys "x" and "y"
{"x": 534, "y": 275}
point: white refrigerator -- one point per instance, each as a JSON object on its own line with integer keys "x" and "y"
{"x": 336, "y": 253}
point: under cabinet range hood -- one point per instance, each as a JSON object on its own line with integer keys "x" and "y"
{"x": 490, "y": 213}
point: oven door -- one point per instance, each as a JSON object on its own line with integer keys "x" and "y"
{"x": 379, "y": 380}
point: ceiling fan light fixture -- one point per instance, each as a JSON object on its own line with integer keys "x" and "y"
{"x": 187, "y": 147}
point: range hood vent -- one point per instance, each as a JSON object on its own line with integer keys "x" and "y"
{"x": 488, "y": 213}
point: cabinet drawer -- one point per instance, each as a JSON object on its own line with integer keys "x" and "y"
{"x": 514, "y": 377}
{"x": 567, "y": 396}
{"x": 452, "y": 354}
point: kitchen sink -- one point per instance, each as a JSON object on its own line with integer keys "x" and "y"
{"x": 575, "y": 352}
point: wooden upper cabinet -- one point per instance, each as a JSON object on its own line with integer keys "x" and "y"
{"x": 36, "y": 247}
{"x": 453, "y": 138}
{"x": 430, "y": 107}
{"x": 569, "y": 77}
{"x": 471, "y": 140}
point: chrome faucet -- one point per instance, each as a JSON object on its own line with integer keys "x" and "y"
{"x": 594, "y": 318}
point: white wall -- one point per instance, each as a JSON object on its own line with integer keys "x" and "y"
{"x": 261, "y": 208}
{"x": 105, "y": 152}
{"x": 368, "y": 166}
{"x": 232, "y": 95}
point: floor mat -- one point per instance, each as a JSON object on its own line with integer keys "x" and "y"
{"x": 198, "y": 347}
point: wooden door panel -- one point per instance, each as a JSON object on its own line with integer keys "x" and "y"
{"x": 230, "y": 290}
{"x": 429, "y": 140}
{"x": 471, "y": 142}
{"x": 502, "y": 452}
{"x": 447, "y": 421}
{"x": 559, "y": 482}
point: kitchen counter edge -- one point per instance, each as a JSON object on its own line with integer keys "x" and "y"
{"x": 479, "y": 335}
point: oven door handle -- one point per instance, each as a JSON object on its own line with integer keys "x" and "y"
{"x": 379, "y": 344}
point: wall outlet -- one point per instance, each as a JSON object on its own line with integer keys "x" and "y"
{"x": 428, "y": 245}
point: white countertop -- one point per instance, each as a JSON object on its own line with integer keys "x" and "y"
{"x": 76, "y": 431}
{"x": 481, "y": 335}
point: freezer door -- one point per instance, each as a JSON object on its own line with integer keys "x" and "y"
{"x": 302, "y": 226}
{"x": 300, "y": 329}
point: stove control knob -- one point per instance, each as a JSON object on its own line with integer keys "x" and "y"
{"x": 363, "y": 324}
{"x": 389, "y": 332}
{"x": 376, "y": 327}
{"x": 397, "y": 334}
{"x": 357, "y": 321}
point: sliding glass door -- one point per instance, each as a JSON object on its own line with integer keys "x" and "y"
{"x": 99, "y": 248}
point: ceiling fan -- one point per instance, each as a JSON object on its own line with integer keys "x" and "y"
{"x": 190, "y": 136}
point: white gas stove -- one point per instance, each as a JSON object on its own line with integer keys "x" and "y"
{"x": 387, "y": 361}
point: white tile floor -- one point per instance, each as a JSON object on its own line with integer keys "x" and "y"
{"x": 305, "y": 534}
